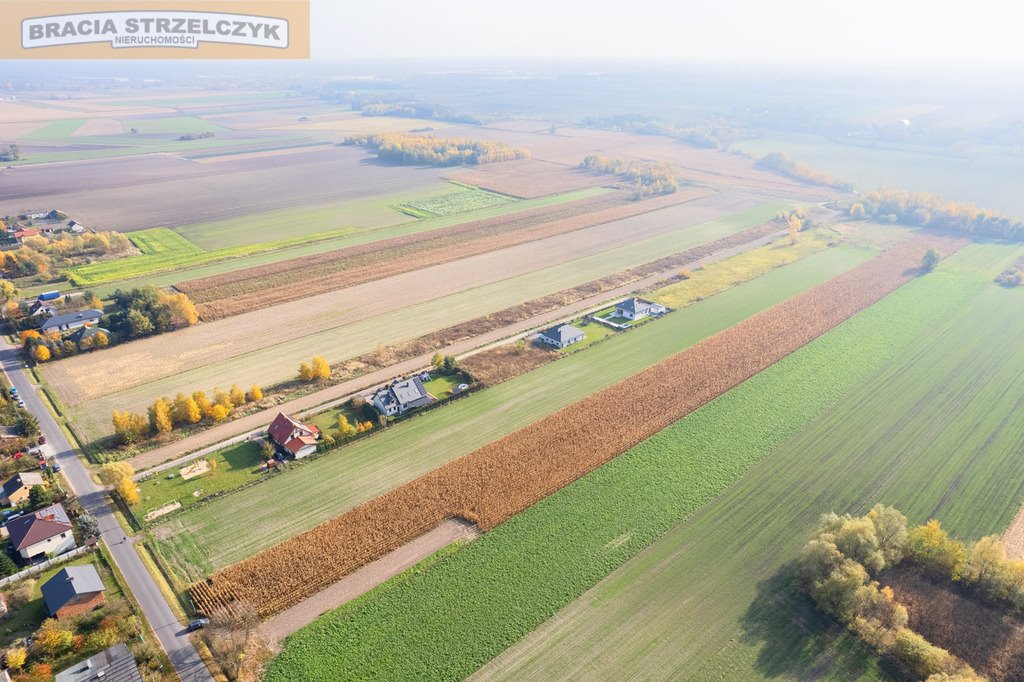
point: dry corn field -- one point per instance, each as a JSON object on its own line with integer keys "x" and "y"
{"x": 497, "y": 481}
{"x": 256, "y": 288}
{"x": 529, "y": 178}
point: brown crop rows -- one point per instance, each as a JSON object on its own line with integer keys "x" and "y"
{"x": 370, "y": 262}
{"x": 501, "y": 479}
{"x": 530, "y": 178}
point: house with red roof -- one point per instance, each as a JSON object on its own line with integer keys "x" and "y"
{"x": 46, "y": 532}
{"x": 292, "y": 436}
{"x": 22, "y": 234}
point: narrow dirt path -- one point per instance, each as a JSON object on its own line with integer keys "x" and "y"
{"x": 363, "y": 580}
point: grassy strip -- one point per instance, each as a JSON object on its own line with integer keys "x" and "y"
{"x": 453, "y": 204}
{"x": 457, "y": 617}
{"x": 208, "y": 537}
{"x": 173, "y": 599}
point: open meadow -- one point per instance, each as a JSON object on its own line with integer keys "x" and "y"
{"x": 758, "y": 489}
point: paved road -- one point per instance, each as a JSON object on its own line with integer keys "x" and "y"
{"x": 213, "y": 439}
{"x": 170, "y": 632}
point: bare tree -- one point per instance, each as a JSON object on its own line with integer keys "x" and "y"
{"x": 234, "y": 642}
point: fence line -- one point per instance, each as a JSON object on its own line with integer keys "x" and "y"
{"x": 49, "y": 563}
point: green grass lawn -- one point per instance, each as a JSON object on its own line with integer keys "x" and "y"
{"x": 592, "y": 333}
{"x": 328, "y": 420}
{"x": 236, "y": 466}
{"x": 28, "y": 618}
{"x": 440, "y": 385}
{"x": 883, "y": 408}
{"x": 201, "y": 540}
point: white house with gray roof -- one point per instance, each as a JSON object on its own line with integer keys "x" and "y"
{"x": 70, "y": 321}
{"x": 401, "y": 396}
{"x": 638, "y": 308}
{"x": 561, "y": 336}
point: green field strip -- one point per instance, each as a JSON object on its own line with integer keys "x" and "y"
{"x": 61, "y": 130}
{"x": 320, "y": 489}
{"x": 348, "y": 238}
{"x": 466, "y": 610}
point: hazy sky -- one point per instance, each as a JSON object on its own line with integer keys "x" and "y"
{"x": 718, "y": 30}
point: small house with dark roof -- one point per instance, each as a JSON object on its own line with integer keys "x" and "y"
{"x": 115, "y": 664}
{"x": 17, "y": 487}
{"x": 86, "y": 337}
{"x": 401, "y": 396}
{"x": 292, "y": 436}
{"x": 638, "y": 308}
{"x": 42, "y": 309}
{"x": 73, "y": 591}
{"x": 69, "y": 321}
{"x": 561, "y": 336}
{"x": 41, "y": 533}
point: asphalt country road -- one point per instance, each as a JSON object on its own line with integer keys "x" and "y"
{"x": 169, "y": 631}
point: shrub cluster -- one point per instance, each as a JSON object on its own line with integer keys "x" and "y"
{"x": 782, "y": 164}
{"x": 836, "y": 568}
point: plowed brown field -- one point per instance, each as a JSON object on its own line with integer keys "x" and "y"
{"x": 530, "y": 178}
{"x": 501, "y": 479}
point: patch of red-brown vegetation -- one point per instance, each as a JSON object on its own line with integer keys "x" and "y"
{"x": 988, "y": 638}
{"x": 497, "y": 481}
{"x": 529, "y": 178}
{"x": 370, "y": 262}
{"x": 495, "y": 365}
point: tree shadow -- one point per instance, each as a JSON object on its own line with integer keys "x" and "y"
{"x": 796, "y": 641}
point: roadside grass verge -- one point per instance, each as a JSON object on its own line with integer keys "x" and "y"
{"x": 462, "y": 613}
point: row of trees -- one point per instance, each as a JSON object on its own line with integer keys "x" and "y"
{"x": 53, "y": 345}
{"x": 648, "y": 178}
{"x": 164, "y": 415}
{"x": 118, "y": 475}
{"x": 712, "y": 135}
{"x": 413, "y": 109}
{"x": 780, "y": 162}
{"x": 410, "y": 149}
{"x": 45, "y": 255}
{"x": 837, "y": 566}
{"x": 929, "y": 210}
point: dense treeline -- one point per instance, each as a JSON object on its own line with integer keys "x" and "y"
{"x": 707, "y": 135}
{"x": 409, "y": 149}
{"x": 649, "y": 178}
{"x": 43, "y": 255}
{"x": 930, "y": 210}
{"x": 845, "y": 552}
{"x": 782, "y": 164}
{"x": 413, "y": 109}
{"x": 147, "y": 310}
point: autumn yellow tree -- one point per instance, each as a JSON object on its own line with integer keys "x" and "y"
{"x": 223, "y": 398}
{"x": 931, "y": 547}
{"x": 306, "y": 372}
{"x": 321, "y": 368}
{"x": 16, "y": 657}
{"x": 130, "y": 427}
{"x": 102, "y": 340}
{"x": 186, "y": 411}
{"x": 12, "y": 311}
{"x": 53, "y": 638}
{"x": 41, "y": 353}
{"x": 160, "y": 416}
{"x": 183, "y": 311}
{"x": 94, "y": 302}
{"x": 29, "y": 334}
{"x": 345, "y": 429}
{"x": 237, "y": 395}
{"x": 128, "y": 491}
{"x": 255, "y": 393}
{"x": 219, "y": 413}
{"x": 204, "y": 404}
{"x": 112, "y": 472}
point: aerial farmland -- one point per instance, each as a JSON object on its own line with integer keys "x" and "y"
{"x": 421, "y": 377}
